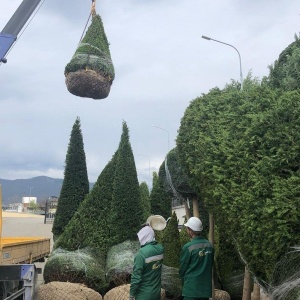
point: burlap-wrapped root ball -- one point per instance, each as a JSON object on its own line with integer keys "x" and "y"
{"x": 90, "y": 72}
{"x": 221, "y": 295}
{"x": 66, "y": 291}
{"x": 122, "y": 293}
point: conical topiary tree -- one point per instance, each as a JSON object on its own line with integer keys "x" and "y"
{"x": 183, "y": 236}
{"x": 171, "y": 243}
{"x": 161, "y": 201}
{"x": 145, "y": 200}
{"x": 90, "y": 72}
{"x": 126, "y": 213}
{"x": 75, "y": 184}
{"x": 89, "y": 226}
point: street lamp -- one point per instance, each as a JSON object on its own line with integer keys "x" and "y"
{"x": 30, "y": 192}
{"x": 166, "y": 132}
{"x": 148, "y": 161}
{"x": 241, "y": 74}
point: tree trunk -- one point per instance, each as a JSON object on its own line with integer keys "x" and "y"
{"x": 187, "y": 209}
{"x": 256, "y": 292}
{"x": 196, "y": 207}
{"x": 247, "y": 285}
{"x": 212, "y": 240}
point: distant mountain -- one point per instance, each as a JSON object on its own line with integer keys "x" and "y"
{"x": 41, "y": 187}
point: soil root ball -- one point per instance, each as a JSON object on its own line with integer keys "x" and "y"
{"x": 88, "y": 84}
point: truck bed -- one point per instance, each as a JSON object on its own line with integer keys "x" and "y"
{"x": 25, "y": 250}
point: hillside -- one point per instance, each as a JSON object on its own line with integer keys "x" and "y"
{"x": 41, "y": 187}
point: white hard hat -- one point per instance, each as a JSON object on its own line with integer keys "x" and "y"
{"x": 157, "y": 222}
{"x": 194, "y": 223}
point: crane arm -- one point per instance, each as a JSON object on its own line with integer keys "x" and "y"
{"x": 11, "y": 30}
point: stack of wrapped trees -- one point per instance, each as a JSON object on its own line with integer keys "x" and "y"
{"x": 90, "y": 72}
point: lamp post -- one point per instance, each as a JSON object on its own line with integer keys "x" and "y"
{"x": 166, "y": 132}
{"x": 30, "y": 192}
{"x": 149, "y": 163}
{"x": 241, "y": 74}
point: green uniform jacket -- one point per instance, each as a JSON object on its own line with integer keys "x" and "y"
{"x": 146, "y": 276}
{"x": 196, "y": 262}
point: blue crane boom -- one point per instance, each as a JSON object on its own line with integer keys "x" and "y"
{"x": 13, "y": 27}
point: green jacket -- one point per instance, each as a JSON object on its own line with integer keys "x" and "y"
{"x": 146, "y": 276}
{"x": 196, "y": 263}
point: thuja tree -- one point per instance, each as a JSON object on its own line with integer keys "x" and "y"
{"x": 127, "y": 212}
{"x": 185, "y": 189}
{"x": 161, "y": 201}
{"x": 171, "y": 243}
{"x": 241, "y": 148}
{"x": 145, "y": 200}
{"x": 285, "y": 72}
{"x": 89, "y": 227}
{"x": 75, "y": 184}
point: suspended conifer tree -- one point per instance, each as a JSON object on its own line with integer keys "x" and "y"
{"x": 90, "y": 72}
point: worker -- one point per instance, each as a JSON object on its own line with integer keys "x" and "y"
{"x": 196, "y": 263}
{"x": 146, "y": 276}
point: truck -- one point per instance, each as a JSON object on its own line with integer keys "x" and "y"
{"x": 18, "y": 272}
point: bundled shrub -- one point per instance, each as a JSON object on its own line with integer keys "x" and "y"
{"x": 81, "y": 266}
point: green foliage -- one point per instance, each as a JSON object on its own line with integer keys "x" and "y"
{"x": 145, "y": 200}
{"x": 160, "y": 200}
{"x": 93, "y": 51}
{"x": 241, "y": 149}
{"x": 75, "y": 185}
{"x": 33, "y": 206}
{"x": 90, "y": 225}
{"x": 171, "y": 243}
{"x": 126, "y": 210}
{"x": 285, "y": 72}
{"x": 229, "y": 268}
{"x": 183, "y": 236}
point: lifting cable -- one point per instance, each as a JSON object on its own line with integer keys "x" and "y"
{"x": 19, "y": 36}
{"x": 92, "y": 13}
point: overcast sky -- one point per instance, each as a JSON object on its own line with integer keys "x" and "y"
{"x": 161, "y": 64}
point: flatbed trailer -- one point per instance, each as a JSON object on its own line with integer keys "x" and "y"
{"x": 23, "y": 250}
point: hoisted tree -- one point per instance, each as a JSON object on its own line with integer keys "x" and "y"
{"x": 90, "y": 72}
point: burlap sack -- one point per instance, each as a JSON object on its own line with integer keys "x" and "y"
{"x": 66, "y": 291}
{"x": 122, "y": 293}
{"x": 221, "y": 295}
